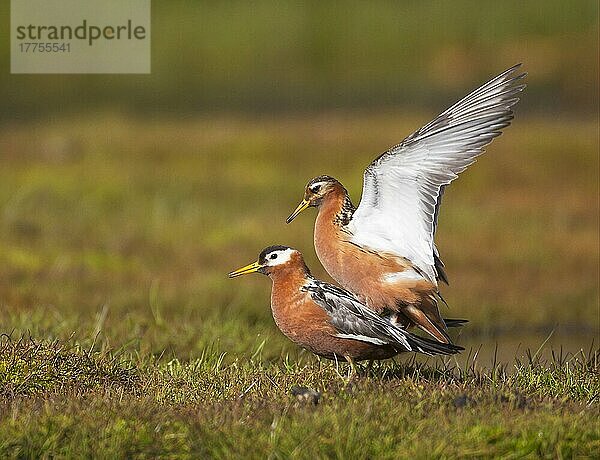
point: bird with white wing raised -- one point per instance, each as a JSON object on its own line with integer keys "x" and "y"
{"x": 383, "y": 251}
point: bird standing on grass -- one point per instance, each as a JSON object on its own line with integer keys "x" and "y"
{"x": 328, "y": 320}
{"x": 384, "y": 251}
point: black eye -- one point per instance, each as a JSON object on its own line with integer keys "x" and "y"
{"x": 315, "y": 188}
{"x": 273, "y": 256}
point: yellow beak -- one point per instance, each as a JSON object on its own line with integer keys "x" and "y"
{"x": 301, "y": 207}
{"x": 251, "y": 268}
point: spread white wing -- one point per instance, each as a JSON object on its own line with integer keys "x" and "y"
{"x": 402, "y": 188}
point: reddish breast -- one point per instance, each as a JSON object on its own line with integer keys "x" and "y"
{"x": 300, "y": 319}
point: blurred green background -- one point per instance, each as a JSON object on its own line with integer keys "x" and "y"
{"x": 125, "y": 199}
{"x": 297, "y": 56}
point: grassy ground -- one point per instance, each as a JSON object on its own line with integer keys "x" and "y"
{"x": 61, "y": 401}
{"x": 117, "y": 235}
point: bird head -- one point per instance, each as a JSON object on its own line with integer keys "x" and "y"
{"x": 315, "y": 192}
{"x": 271, "y": 259}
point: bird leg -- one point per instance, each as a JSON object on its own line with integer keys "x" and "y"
{"x": 369, "y": 367}
{"x": 352, "y": 373}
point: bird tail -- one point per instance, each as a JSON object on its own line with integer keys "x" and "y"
{"x": 431, "y": 347}
{"x": 450, "y": 322}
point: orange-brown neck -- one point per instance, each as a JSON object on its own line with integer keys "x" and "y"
{"x": 290, "y": 275}
{"x": 330, "y": 237}
{"x": 288, "y": 300}
{"x": 336, "y": 207}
